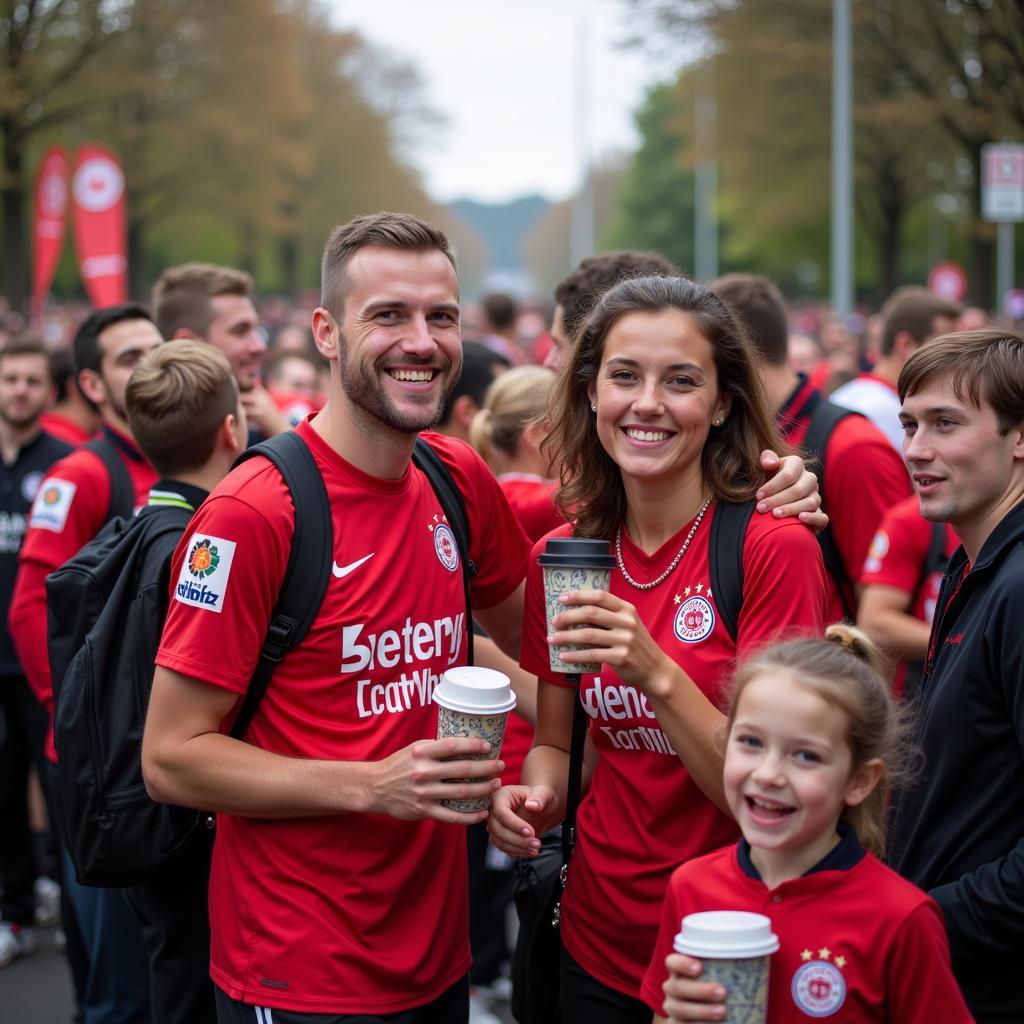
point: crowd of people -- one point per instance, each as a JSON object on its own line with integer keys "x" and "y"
{"x": 857, "y": 783}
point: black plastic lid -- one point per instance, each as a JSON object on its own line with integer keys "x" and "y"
{"x": 577, "y": 552}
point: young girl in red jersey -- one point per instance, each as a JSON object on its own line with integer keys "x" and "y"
{"x": 814, "y": 743}
{"x": 658, "y": 418}
{"x": 508, "y": 432}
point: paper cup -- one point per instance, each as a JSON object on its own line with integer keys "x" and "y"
{"x": 473, "y": 702}
{"x": 572, "y": 563}
{"x": 734, "y": 948}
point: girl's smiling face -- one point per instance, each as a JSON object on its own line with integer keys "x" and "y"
{"x": 789, "y": 773}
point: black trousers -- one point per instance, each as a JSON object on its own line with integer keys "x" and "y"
{"x": 175, "y": 922}
{"x": 450, "y": 1007}
{"x": 22, "y": 733}
{"x": 585, "y": 1000}
{"x": 490, "y": 894}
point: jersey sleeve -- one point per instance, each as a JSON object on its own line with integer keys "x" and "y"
{"x": 920, "y": 984}
{"x": 898, "y": 551}
{"x": 865, "y": 476}
{"x": 497, "y": 542}
{"x": 225, "y": 578}
{"x": 784, "y": 586}
{"x": 651, "y": 991}
{"x": 69, "y": 509}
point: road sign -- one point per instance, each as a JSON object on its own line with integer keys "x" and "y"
{"x": 948, "y": 281}
{"x": 1002, "y": 184}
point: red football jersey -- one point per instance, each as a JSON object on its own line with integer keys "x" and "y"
{"x": 643, "y": 814}
{"x": 897, "y": 558}
{"x": 354, "y": 913}
{"x": 856, "y": 941}
{"x": 69, "y": 510}
{"x": 533, "y": 500}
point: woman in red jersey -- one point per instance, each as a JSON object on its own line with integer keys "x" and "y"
{"x": 657, "y": 416}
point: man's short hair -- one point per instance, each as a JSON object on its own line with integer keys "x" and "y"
{"x": 85, "y": 346}
{"x": 177, "y": 398}
{"x": 480, "y": 365}
{"x": 27, "y": 343}
{"x": 389, "y": 231}
{"x": 182, "y": 296}
{"x": 501, "y": 311}
{"x": 578, "y": 292}
{"x": 913, "y": 310}
{"x": 274, "y": 365}
{"x": 985, "y": 366}
{"x": 759, "y": 304}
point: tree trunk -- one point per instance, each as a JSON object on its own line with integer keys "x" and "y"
{"x": 136, "y": 255}
{"x": 288, "y": 255}
{"x": 16, "y": 252}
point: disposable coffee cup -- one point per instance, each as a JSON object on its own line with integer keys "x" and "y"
{"x": 474, "y": 702}
{"x": 734, "y": 947}
{"x": 572, "y": 563}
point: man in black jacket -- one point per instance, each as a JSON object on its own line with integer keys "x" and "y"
{"x": 959, "y": 831}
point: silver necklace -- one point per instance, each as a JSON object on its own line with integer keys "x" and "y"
{"x": 675, "y": 561}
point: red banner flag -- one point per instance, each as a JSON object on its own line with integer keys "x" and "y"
{"x": 98, "y": 209}
{"x": 48, "y": 232}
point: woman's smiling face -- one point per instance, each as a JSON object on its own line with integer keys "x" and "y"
{"x": 656, "y": 393}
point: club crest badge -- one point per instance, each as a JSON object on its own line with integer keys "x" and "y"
{"x": 819, "y": 988}
{"x": 30, "y": 485}
{"x": 445, "y": 545}
{"x": 695, "y": 619}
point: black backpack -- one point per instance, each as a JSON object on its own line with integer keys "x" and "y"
{"x": 122, "y": 490}
{"x": 824, "y": 420}
{"x": 102, "y": 639}
{"x": 725, "y": 559}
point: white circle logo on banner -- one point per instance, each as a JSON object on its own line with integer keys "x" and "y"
{"x": 98, "y": 184}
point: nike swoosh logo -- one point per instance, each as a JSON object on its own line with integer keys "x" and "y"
{"x": 343, "y": 570}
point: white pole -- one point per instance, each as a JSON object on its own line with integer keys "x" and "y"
{"x": 582, "y": 221}
{"x": 1004, "y": 263}
{"x": 842, "y": 160}
{"x": 705, "y": 228}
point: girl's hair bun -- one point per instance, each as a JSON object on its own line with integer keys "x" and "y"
{"x": 857, "y": 643}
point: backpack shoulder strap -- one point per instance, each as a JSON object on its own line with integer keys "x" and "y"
{"x": 824, "y": 420}
{"x": 729, "y": 524}
{"x": 309, "y": 562}
{"x": 432, "y": 466}
{"x": 122, "y": 490}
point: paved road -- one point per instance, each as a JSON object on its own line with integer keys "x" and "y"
{"x": 36, "y": 989}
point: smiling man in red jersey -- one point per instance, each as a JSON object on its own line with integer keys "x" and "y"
{"x": 959, "y": 832}
{"x": 338, "y": 887}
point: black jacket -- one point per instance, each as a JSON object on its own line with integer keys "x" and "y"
{"x": 958, "y": 832}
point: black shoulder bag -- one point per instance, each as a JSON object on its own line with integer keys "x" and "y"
{"x": 539, "y": 885}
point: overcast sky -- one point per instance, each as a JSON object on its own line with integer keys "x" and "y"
{"x": 502, "y": 75}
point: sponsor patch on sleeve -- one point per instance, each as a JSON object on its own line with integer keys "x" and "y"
{"x": 203, "y": 580}
{"x": 52, "y": 504}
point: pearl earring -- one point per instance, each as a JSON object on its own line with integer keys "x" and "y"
{"x": 719, "y": 421}
{"x": 593, "y": 407}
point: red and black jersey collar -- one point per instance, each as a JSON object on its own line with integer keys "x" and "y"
{"x": 797, "y": 410}
{"x": 846, "y": 854}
